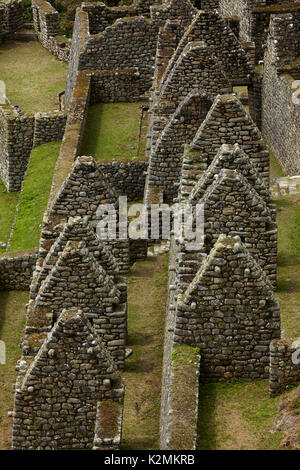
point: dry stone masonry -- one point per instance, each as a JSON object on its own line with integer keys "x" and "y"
{"x": 205, "y": 148}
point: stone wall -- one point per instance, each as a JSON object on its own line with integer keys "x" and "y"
{"x": 127, "y": 179}
{"x": 16, "y": 270}
{"x": 128, "y": 43}
{"x": 16, "y": 139}
{"x": 280, "y": 98}
{"x": 212, "y": 29}
{"x": 166, "y": 155}
{"x": 230, "y": 313}
{"x": 80, "y": 33}
{"x": 101, "y": 16}
{"x": 2, "y": 13}
{"x": 67, "y": 390}
{"x": 254, "y": 18}
{"x": 178, "y": 417}
{"x": 284, "y": 365}
{"x": 19, "y": 133}
{"x": 113, "y": 86}
{"x": 48, "y": 127}
{"x": 47, "y": 27}
{"x": 12, "y": 17}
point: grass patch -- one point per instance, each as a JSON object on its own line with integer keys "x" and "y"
{"x": 33, "y": 76}
{"x": 275, "y": 169}
{"x": 146, "y": 315}
{"x": 34, "y": 197}
{"x": 237, "y": 416}
{"x": 12, "y": 323}
{"x": 8, "y": 203}
{"x": 288, "y": 219}
{"x": 112, "y": 131}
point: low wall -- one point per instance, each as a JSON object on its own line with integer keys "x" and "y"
{"x": 284, "y": 365}
{"x": 101, "y": 16}
{"x": 47, "y": 27}
{"x": 16, "y": 270}
{"x": 12, "y": 17}
{"x": 127, "y": 179}
{"x": 16, "y": 139}
{"x": 180, "y": 382}
{"x": 49, "y": 127}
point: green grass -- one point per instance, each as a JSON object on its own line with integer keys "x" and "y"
{"x": 12, "y": 323}
{"x": 146, "y": 315}
{"x": 8, "y": 203}
{"x": 34, "y": 197}
{"x": 275, "y": 168}
{"x": 112, "y": 131}
{"x": 237, "y": 416}
{"x": 288, "y": 219}
{"x": 33, "y": 76}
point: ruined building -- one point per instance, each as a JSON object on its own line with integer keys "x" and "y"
{"x": 204, "y": 148}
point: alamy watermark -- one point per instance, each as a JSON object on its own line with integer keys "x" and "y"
{"x": 296, "y": 353}
{"x": 2, "y": 353}
{"x": 157, "y": 222}
{"x": 296, "y": 94}
{"x": 2, "y": 92}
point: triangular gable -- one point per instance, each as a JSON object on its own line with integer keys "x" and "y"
{"x": 76, "y": 280}
{"x": 197, "y": 69}
{"x": 71, "y": 330}
{"x": 210, "y": 27}
{"x": 85, "y": 188}
{"x": 230, "y": 186}
{"x": 76, "y": 229}
{"x": 231, "y": 258}
{"x": 228, "y": 122}
{"x": 230, "y": 157}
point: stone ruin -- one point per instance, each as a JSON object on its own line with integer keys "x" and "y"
{"x": 203, "y": 148}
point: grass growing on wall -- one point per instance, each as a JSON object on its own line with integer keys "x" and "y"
{"x": 112, "y": 131}
{"x": 34, "y": 197}
{"x": 33, "y": 76}
{"x": 8, "y": 202}
{"x": 147, "y": 298}
{"x": 12, "y": 323}
{"x": 237, "y": 416}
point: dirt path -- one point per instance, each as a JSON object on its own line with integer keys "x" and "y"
{"x": 147, "y": 295}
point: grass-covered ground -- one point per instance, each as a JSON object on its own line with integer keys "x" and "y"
{"x": 12, "y": 322}
{"x": 237, "y": 416}
{"x": 34, "y": 197}
{"x": 288, "y": 219}
{"x": 8, "y": 203}
{"x": 112, "y": 131}
{"x": 147, "y": 297}
{"x": 33, "y": 76}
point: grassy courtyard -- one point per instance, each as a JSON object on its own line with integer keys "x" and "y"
{"x": 146, "y": 314}
{"x": 34, "y": 197}
{"x": 12, "y": 322}
{"x": 32, "y": 75}
{"x": 112, "y": 132}
{"x": 237, "y": 416}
